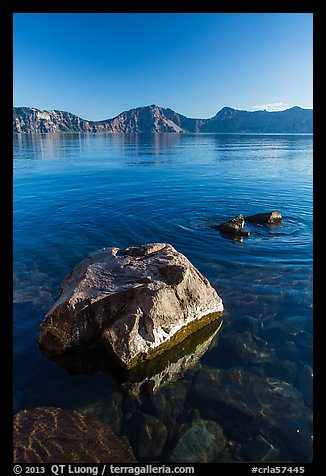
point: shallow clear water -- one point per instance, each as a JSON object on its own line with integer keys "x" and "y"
{"x": 74, "y": 194}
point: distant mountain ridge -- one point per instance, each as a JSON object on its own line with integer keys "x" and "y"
{"x": 158, "y": 119}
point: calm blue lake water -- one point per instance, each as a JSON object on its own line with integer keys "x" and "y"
{"x": 74, "y": 194}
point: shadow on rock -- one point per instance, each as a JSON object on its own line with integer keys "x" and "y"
{"x": 148, "y": 376}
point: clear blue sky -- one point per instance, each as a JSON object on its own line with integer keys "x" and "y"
{"x": 98, "y": 65}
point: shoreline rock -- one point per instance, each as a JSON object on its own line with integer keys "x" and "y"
{"x": 135, "y": 302}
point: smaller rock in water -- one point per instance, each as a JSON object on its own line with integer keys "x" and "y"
{"x": 202, "y": 441}
{"x": 148, "y": 435}
{"x": 249, "y": 348}
{"x": 169, "y": 405}
{"x": 269, "y": 218}
{"x": 108, "y": 411}
{"x": 233, "y": 227}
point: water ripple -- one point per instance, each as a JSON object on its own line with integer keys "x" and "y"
{"x": 74, "y": 194}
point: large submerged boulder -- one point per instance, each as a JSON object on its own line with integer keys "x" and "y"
{"x": 136, "y": 302}
{"x": 56, "y": 435}
{"x": 246, "y": 404}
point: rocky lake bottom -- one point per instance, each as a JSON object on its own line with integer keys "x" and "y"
{"x": 238, "y": 390}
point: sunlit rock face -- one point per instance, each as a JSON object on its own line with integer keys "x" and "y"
{"x": 32, "y": 120}
{"x": 54, "y": 435}
{"x": 269, "y": 218}
{"x": 158, "y": 119}
{"x": 135, "y": 302}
